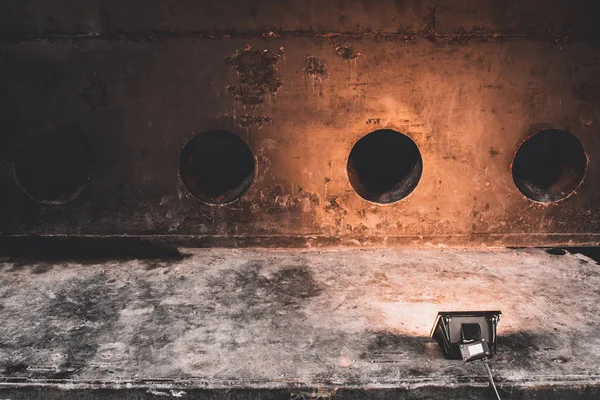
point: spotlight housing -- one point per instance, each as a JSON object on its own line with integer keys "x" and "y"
{"x": 467, "y": 335}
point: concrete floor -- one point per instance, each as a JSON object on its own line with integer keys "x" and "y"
{"x": 297, "y": 320}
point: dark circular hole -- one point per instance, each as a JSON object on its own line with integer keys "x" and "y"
{"x": 217, "y": 167}
{"x": 52, "y": 167}
{"x": 549, "y": 165}
{"x": 384, "y": 166}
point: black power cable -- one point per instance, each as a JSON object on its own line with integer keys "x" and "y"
{"x": 489, "y": 371}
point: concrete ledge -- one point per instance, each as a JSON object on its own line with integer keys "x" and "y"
{"x": 575, "y": 392}
{"x": 219, "y": 323}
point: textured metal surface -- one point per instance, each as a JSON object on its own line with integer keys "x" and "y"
{"x": 466, "y": 81}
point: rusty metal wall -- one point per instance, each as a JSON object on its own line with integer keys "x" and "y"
{"x": 300, "y": 82}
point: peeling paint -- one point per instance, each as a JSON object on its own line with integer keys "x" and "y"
{"x": 257, "y": 74}
{"x": 346, "y": 52}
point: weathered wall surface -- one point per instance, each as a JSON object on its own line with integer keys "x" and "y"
{"x": 467, "y": 81}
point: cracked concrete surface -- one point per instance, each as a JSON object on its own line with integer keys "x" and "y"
{"x": 284, "y": 318}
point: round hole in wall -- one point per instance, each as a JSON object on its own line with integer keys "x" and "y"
{"x": 52, "y": 167}
{"x": 549, "y": 165}
{"x": 384, "y": 166}
{"x": 217, "y": 167}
